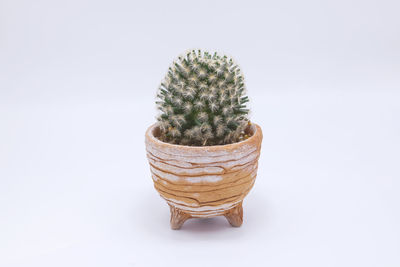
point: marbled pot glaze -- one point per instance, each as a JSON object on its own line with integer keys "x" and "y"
{"x": 204, "y": 181}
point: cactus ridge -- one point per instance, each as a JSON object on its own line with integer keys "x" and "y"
{"x": 202, "y": 101}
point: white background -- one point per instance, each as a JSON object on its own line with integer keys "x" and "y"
{"x": 77, "y": 90}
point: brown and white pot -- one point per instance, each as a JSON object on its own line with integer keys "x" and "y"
{"x": 202, "y": 182}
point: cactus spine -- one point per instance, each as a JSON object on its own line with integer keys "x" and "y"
{"x": 202, "y": 101}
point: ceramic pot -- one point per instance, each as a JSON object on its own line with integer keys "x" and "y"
{"x": 203, "y": 182}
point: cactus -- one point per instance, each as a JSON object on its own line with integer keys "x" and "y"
{"x": 202, "y": 101}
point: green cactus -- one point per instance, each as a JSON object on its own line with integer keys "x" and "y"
{"x": 202, "y": 101}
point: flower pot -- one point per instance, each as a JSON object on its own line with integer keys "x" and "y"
{"x": 207, "y": 181}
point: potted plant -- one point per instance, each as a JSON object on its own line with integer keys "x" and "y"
{"x": 203, "y": 151}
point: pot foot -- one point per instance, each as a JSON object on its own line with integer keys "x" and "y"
{"x": 178, "y": 217}
{"x": 235, "y": 215}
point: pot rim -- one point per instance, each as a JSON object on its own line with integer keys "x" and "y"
{"x": 257, "y": 134}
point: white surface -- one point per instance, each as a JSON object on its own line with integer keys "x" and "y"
{"x": 77, "y": 84}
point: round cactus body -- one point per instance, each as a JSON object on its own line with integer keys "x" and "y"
{"x": 202, "y": 101}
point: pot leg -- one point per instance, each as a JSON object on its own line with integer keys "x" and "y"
{"x": 235, "y": 215}
{"x": 178, "y": 217}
